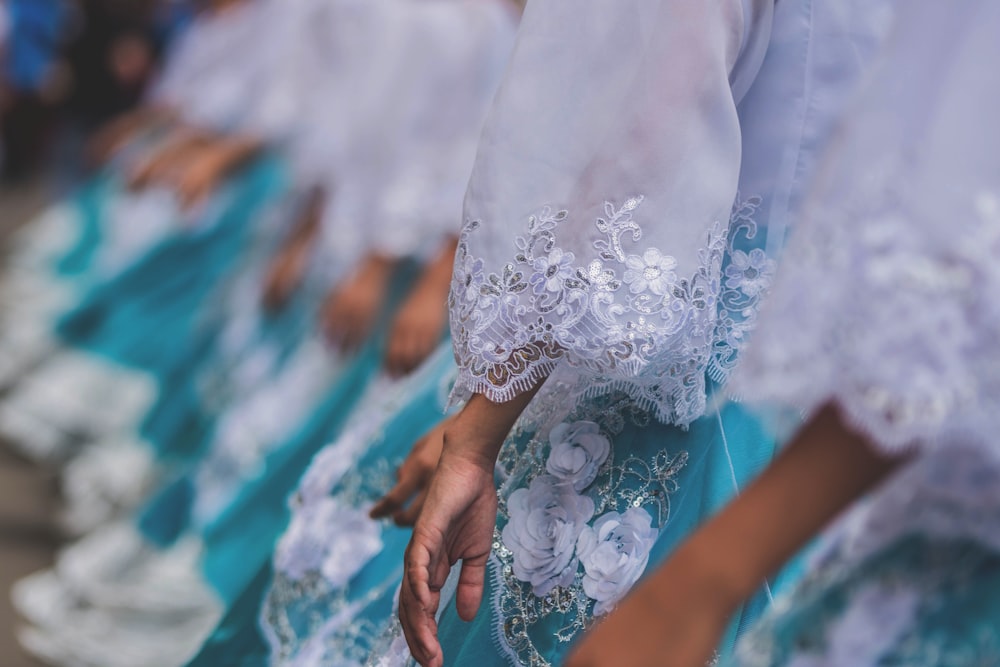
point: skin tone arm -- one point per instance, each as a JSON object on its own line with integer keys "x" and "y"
{"x": 116, "y": 133}
{"x": 405, "y": 500}
{"x": 167, "y": 156}
{"x": 351, "y": 308}
{"x": 421, "y": 320}
{"x": 677, "y": 615}
{"x": 456, "y": 522}
{"x": 289, "y": 266}
{"x": 209, "y": 167}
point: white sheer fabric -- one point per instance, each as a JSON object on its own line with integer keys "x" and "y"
{"x": 887, "y": 301}
{"x": 208, "y": 71}
{"x": 397, "y": 171}
{"x": 886, "y": 304}
{"x": 616, "y": 220}
{"x": 597, "y": 210}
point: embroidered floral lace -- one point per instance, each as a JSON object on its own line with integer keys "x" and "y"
{"x": 628, "y": 316}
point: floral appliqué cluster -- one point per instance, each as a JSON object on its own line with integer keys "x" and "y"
{"x": 549, "y": 531}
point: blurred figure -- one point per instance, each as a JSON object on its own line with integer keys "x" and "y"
{"x": 34, "y": 80}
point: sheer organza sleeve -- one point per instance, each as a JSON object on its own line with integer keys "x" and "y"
{"x": 886, "y": 304}
{"x": 210, "y": 73}
{"x": 459, "y": 52}
{"x": 597, "y": 211}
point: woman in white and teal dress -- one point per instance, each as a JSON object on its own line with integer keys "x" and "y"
{"x": 139, "y": 264}
{"x": 240, "y": 339}
{"x": 471, "y": 41}
{"x": 617, "y": 241}
{"x": 883, "y": 330}
{"x": 222, "y": 517}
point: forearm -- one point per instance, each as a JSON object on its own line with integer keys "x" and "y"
{"x": 437, "y": 273}
{"x": 230, "y": 153}
{"x": 479, "y": 430}
{"x": 825, "y": 469}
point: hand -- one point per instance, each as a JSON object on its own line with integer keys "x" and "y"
{"x": 672, "y": 621}
{"x": 457, "y": 522}
{"x": 417, "y": 328}
{"x": 285, "y": 275}
{"x": 164, "y": 159}
{"x": 289, "y": 267}
{"x": 412, "y": 480}
{"x": 198, "y": 179}
{"x": 350, "y": 310}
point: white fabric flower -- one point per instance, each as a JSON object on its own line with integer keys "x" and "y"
{"x": 653, "y": 271}
{"x": 545, "y": 521}
{"x": 551, "y": 270}
{"x": 578, "y": 451}
{"x": 751, "y": 273}
{"x": 307, "y": 546}
{"x": 614, "y": 553}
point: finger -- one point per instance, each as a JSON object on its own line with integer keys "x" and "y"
{"x": 421, "y": 603}
{"x": 396, "y": 498}
{"x": 406, "y": 518}
{"x": 470, "y": 587}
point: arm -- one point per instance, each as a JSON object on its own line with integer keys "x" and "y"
{"x": 456, "y": 523}
{"x": 289, "y": 266}
{"x": 421, "y": 320}
{"x": 352, "y": 306}
{"x": 680, "y": 611}
{"x": 200, "y": 178}
{"x": 117, "y": 132}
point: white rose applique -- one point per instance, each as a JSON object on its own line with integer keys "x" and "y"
{"x": 578, "y": 451}
{"x": 614, "y": 553}
{"x": 305, "y": 547}
{"x": 545, "y": 521}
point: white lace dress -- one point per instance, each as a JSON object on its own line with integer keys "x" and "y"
{"x": 887, "y": 308}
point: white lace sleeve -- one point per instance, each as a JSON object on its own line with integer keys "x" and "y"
{"x": 886, "y": 304}
{"x": 600, "y": 201}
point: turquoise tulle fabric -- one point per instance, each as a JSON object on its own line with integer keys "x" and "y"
{"x": 918, "y": 602}
{"x": 681, "y": 477}
{"x": 292, "y": 611}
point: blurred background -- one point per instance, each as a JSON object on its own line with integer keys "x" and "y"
{"x": 66, "y": 68}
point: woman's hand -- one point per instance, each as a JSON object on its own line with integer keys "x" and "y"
{"x": 166, "y": 158}
{"x": 351, "y": 308}
{"x": 288, "y": 268}
{"x": 405, "y": 500}
{"x": 456, "y": 523}
{"x": 198, "y": 179}
{"x": 284, "y": 275}
{"x": 421, "y": 321}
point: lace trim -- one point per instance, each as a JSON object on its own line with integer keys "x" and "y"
{"x": 628, "y": 319}
{"x": 897, "y": 326}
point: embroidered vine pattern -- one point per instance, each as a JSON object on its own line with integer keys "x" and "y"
{"x": 630, "y": 318}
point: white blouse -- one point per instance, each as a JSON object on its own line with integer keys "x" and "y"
{"x": 886, "y": 304}
{"x": 617, "y": 216}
